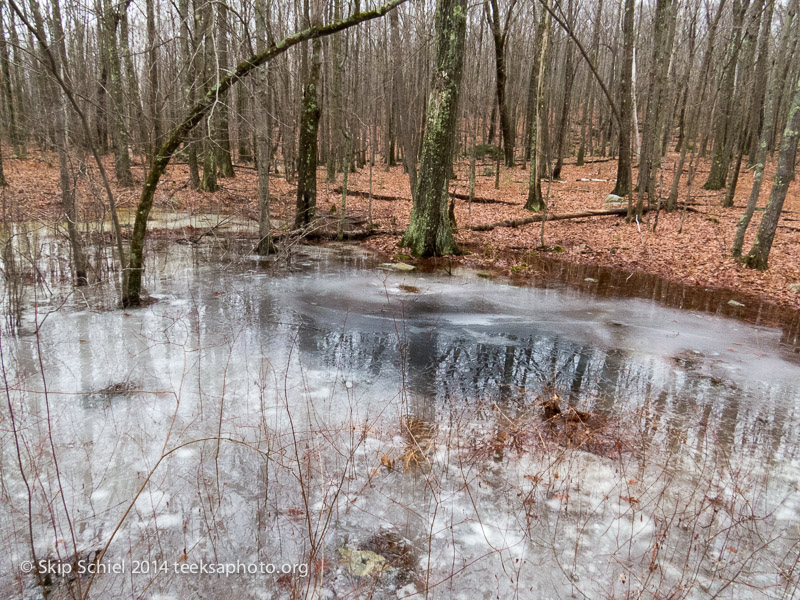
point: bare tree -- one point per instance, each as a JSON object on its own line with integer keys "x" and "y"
{"x": 119, "y": 130}
{"x": 264, "y": 126}
{"x": 58, "y": 111}
{"x": 569, "y": 78}
{"x": 499, "y": 28}
{"x": 724, "y": 126}
{"x": 188, "y": 54}
{"x": 535, "y": 200}
{"x": 650, "y": 158}
{"x": 624, "y": 177}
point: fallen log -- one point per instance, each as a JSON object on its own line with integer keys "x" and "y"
{"x": 538, "y": 218}
{"x": 460, "y": 196}
{"x": 480, "y": 200}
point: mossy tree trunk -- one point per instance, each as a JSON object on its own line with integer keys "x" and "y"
{"x": 759, "y": 253}
{"x": 307, "y": 148}
{"x": 429, "y": 233}
{"x": 535, "y": 200}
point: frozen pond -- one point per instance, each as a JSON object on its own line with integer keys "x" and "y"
{"x": 342, "y": 430}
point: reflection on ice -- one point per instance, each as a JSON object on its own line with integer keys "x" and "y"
{"x": 337, "y": 413}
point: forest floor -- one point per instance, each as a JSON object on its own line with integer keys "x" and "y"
{"x": 699, "y": 255}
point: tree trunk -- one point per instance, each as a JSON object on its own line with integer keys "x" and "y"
{"x": 429, "y": 233}
{"x": 264, "y": 126}
{"x": 347, "y": 160}
{"x": 569, "y": 78}
{"x": 723, "y": 127}
{"x": 307, "y": 150}
{"x": 12, "y": 127}
{"x": 561, "y": 132}
{"x": 784, "y": 63}
{"x": 57, "y": 106}
{"x": 3, "y": 182}
{"x": 220, "y": 125}
{"x": 587, "y": 119}
{"x": 152, "y": 66}
{"x": 743, "y": 100}
{"x": 499, "y": 33}
{"x": 650, "y": 158}
{"x": 20, "y": 95}
{"x": 134, "y": 99}
{"x": 492, "y": 122}
{"x": 623, "y": 186}
{"x": 535, "y": 200}
{"x": 402, "y": 101}
{"x": 759, "y": 253}
{"x": 244, "y": 116}
{"x": 759, "y": 88}
{"x": 205, "y": 32}
{"x": 758, "y": 170}
{"x": 119, "y": 135}
{"x": 287, "y": 132}
{"x": 530, "y": 106}
{"x": 190, "y": 82}
{"x": 336, "y": 156}
{"x": 68, "y": 206}
{"x": 696, "y": 107}
{"x": 101, "y": 91}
